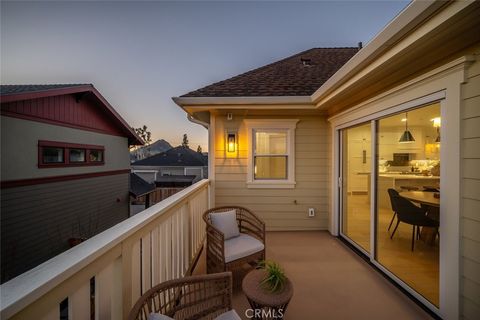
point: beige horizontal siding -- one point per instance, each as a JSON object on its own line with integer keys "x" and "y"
{"x": 470, "y": 217}
{"x": 282, "y": 209}
{"x": 471, "y": 108}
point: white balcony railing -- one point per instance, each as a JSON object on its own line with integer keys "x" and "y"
{"x": 153, "y": 246}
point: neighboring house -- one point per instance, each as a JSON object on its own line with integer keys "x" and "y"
{"x": 279, "y": 144}
{"x": 178, "y": 161}
{"x": 140, "y": 191}
{"x": 64, "y": 170}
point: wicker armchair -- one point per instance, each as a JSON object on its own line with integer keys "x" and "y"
{"x": 195, "y": 297}
{"x": 248, "y": 224}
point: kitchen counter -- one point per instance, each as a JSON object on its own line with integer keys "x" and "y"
{"x": 397, "y": 176}
{"x": 396, "y": 181}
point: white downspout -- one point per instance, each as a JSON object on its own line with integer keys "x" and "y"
{"x": 192, "y": 119}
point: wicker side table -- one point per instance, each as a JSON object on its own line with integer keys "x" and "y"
{"x": 265, "y": 305}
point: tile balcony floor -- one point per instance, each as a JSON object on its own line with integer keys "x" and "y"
{"x": 330, "y": 281}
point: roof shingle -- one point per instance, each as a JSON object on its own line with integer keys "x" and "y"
{"x": 7, "y": 89}
{"x": 139, "y": 187}
{"x": 178, "y": 156}
{"x": 299, "y": 75}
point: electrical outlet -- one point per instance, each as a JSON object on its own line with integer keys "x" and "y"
{"x": 311, "y": 212}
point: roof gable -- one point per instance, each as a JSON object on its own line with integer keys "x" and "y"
{"x": 298, "y": 75}
{"x": 71, "y": 105}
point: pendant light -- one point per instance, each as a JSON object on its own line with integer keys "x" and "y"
{"x": 407, "y": 136}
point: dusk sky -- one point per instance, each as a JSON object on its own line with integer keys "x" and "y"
{"x": 140, "y": 54}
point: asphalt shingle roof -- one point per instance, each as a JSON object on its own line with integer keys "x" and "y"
{"x": 139, "y": 187}
{"x": 178, "y": 156}
{"x": 7, "y": 89}
{"x": 299, "y": 75}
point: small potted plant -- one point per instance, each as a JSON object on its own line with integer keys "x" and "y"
{"x": 268, "y": 290}
{"x": 275, "y": 278}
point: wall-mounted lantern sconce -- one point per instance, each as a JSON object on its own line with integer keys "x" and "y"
{"x": 231, "y": 142}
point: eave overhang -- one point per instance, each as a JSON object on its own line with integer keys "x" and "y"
{"x": 422, "y": 36}
{"x": 193, "y": 105}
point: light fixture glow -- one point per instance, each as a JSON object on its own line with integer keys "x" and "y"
{"x": 436, "y": 122}
{"x": 404, "y": 119}
{"x": 407, "y": 136}
{"x": 231, "y": 142}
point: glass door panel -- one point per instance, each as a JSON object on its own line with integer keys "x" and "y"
{"x": 407, "y": 184}
{"x": 356, "y": 175}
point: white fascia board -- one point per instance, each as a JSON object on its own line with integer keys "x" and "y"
{"x": 404, "y": 22}
{"x": 218, "y": 102}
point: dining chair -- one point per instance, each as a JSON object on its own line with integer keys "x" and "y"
{"x": 409, "y": 213}
{"x": 392, "y": 192}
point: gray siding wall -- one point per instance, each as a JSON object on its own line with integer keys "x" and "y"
{"x": 470, "y": 218}
{"x": 38, "y": 220}
{"x": 20, "y": 149}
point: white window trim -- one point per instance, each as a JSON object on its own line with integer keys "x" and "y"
{"x": 288, "y": 125}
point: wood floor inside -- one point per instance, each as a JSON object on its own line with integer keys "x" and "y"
{"x": 418, "y": 268}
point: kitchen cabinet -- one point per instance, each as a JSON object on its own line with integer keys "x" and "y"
{"x": 359, "y": 160}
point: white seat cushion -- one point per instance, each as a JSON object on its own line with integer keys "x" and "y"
{"x": 158, "y": 316}
{"x": 241, "y": 246}
{"x": 226, "y": 222}
{"x": 229, "y": 315}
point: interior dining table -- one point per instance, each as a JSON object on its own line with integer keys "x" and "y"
{"x": 422, "y": 197}
{"x": 427, "y": 199}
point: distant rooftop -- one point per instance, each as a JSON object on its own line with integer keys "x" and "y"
{"x": 299, "y": 75}
{"x": 178, "y": 156}
{"x": 139, "y": 187}
{"x": 174, "y": 181}
{"x": 23, "y": 88}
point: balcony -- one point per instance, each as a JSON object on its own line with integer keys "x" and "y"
{"x": 105, "y": 275}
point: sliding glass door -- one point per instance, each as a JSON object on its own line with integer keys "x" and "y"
{"x": 356, "y": 175}
{"x": 395, "y": 195}
{"x": 407, "y": 186}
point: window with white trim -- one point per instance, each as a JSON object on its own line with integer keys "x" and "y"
{"x": 271, "y": 152}
{"x": 270, "y": 155}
